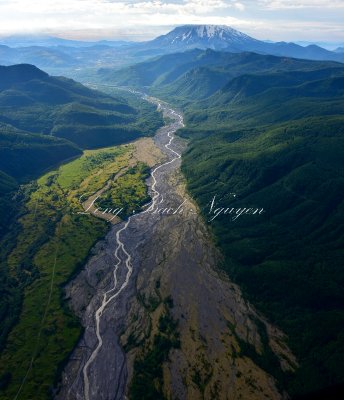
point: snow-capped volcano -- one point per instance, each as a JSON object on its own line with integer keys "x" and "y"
{"x": 225, "y": 38}
{"x": 205, "y": 36}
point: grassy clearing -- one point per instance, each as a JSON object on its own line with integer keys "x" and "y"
{"x": 128, "y": 191}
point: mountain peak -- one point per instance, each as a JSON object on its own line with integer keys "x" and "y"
{"x": 204, "y": 36}
{"x": 207, "y": 30}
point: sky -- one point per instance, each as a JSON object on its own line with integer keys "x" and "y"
{"x": 289, "y": 20}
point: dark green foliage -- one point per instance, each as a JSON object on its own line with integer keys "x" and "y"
{"x": 276, "y": 128}
{"x": 24, "y": 156}
{"x": 7, "y": 183}
{"x": 148, "y": 373}
{"x": 5, "y": 379}
{"x": 32, "y": 101}
{"x": 7, "y": 186}
{"x": 45, "y": 120}
{"x": 18, "y": 74}
{"x": 146, "y": 73}
{"x": 269, "y": 99}
{"x": 198, "y": 74}
{"x": 97, "y": 136}
{"x": 11, "y": 300}
{"x": 288, "y": 260}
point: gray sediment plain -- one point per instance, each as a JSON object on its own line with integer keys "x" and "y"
{"x": 172, "y": 256}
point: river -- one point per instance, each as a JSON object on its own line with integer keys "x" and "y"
{"x": 160, "y": 255}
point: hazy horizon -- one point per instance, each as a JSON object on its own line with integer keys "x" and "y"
{"x": 96, "y": 37}
{"x": 276, "y": 20}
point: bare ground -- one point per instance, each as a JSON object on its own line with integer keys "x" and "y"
{"x": 213, "y": 317}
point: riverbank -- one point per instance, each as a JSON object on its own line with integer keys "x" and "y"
{"x": 163, "y": 273}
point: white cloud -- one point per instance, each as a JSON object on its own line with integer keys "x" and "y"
{"x": 239, "y": 6}
{"x": 15, "y": 15}
{"x": 273, "y": 19}
{"x": 295, "y": 4}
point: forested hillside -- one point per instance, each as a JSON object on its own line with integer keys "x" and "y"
{"x": 198, "y": 74}
{"x": 45, "y": 120}
{"x": 276, "y": 130}
{"x": 33, "y": 101}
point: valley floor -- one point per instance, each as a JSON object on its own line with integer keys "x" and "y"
{"x": 53, "y": 241}
{"x": 173, "y": 325}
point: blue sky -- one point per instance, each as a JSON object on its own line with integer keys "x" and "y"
{"x": 290, "y": 20}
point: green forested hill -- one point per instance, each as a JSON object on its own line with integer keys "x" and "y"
{"x": 32, "y": 101}
{"x": 276, "y": 130}
{"x": 198, "y": 74}
{"x": 289, "y": 261}
{"x": 45, "y": 120}
{"x": 19, "y": 74}
{"x": 23, "y": 155}
{"x": 249, "y": 99}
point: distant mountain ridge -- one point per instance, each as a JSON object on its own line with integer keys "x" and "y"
{"x": 222, "y": 37}
{"x": 72, "y": 54}
{"x": 196, "y": 74}
{"x": 47, "y": 41}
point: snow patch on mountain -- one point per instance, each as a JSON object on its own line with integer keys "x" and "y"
{"x": 203, "y": 36}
